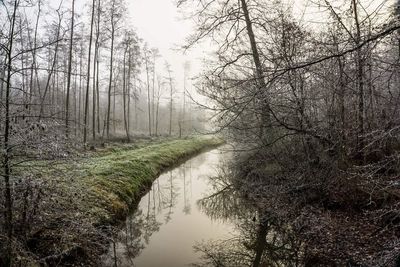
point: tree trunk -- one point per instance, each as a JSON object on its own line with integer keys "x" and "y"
{"x": 69, "y": 71}
{"x": 124, "y": 94}
{"x": 111, "y": 70}
{"x": 94, "y": 94}
{"x": 7, "y": 148}
{"x": 23, "y": 71}
{"x": 75, "y": 99}
{"x": 184, "y": 101}
{"x": 158, "y": 106}
{"x": 98, "y": 91}
{"x": 148, "y": 93}
{"x": 260, "y": 243}
{"x": 129, "y": 88}
{"x": 360, "y": 82}
{"x": 2, "y": 76}
{"x": 80, "y": 91}
{"x": 33, "y": 65}
{"x": 88, "y": 78}
{"x": 114, "y": 104}
{"x": 98, "y": 65}
{"x": 136, "y": 125}
{"x": 157, "y": 115}
{"x": 265, "y": 116}
{"x": 153, "y": 91}
{"x": 170, "y": 107}
{"x": 53, "y": 65}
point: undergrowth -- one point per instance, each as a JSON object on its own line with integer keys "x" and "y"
{"x": 65, "y": 210}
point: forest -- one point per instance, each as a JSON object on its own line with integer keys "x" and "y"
{"x": 301, "y": 99}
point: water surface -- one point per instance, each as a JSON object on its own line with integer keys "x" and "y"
{"x": 168, "y": 221}
{"x": 194, "y": 216}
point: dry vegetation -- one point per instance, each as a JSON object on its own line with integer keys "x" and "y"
{"x": 316, "y": 112}
{"x": 64, "y": 211}
{"x": 346, "y": 216}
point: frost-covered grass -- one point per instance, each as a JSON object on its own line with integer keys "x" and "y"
{"x": 76, "y": 198}
{"x": 114, "y": 181}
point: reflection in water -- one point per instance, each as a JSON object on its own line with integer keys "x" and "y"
{"x": 167, "y": 222}
{"x": 186, "y": 185}
{"x": 194, "y": 215}
{"x": 223, "y": 202}
{"x": 258, "y": 239}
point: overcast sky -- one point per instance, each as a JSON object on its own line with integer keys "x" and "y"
{"x": 159, "y": 23}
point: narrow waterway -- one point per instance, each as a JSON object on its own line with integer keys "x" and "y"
{"x": 193, "y": 216}
{"x": 168, "y": 221}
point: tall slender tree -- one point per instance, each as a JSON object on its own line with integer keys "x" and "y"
{"x": 69, "y": 69}
{"x": 6, "y": 145}
{"x": 85, "y": 129}
{"x": 171, "y": 94}
{"x": 147, "y": 64}
{"x": 113, "y": 21}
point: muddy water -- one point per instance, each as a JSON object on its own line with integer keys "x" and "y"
{"x": 168, "y": 222}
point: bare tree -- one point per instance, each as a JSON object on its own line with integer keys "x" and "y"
{"x": 97, "y": 52}
{"x": 53, "y": 64}
{"x": 85, "y": 129}
{"x": 147, "y": 55}
{"x": 6, "y": 145}
{"x": 116, "y": 13}
{"x": 171, "y": 94}
{"x": 360, "y": 78}
{"x": 159, "y": 92}
{"x": 69, "y": 70}
{"x": 124, "y": 84}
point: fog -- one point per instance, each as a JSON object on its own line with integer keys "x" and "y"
{"x": 100, "y": 97}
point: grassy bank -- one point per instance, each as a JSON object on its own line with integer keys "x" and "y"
{"x": 116, "y": 180}
{"x": 79, "y": 200}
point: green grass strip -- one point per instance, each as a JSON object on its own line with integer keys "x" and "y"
{"x": 116, "y": 180}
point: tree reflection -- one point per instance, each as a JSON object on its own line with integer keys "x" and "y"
{"x": 154, "y": 210}
{"x": 224, "y": 202}
{"x": 258, "y": 239}
{"x": 186, "y": 182}
{"x": 171, "y": 199}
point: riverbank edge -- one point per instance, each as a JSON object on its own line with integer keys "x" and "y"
{"x": 117, "y": 181}
{"x": 322, "y": 219}
{"x": 109, "y": 187}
